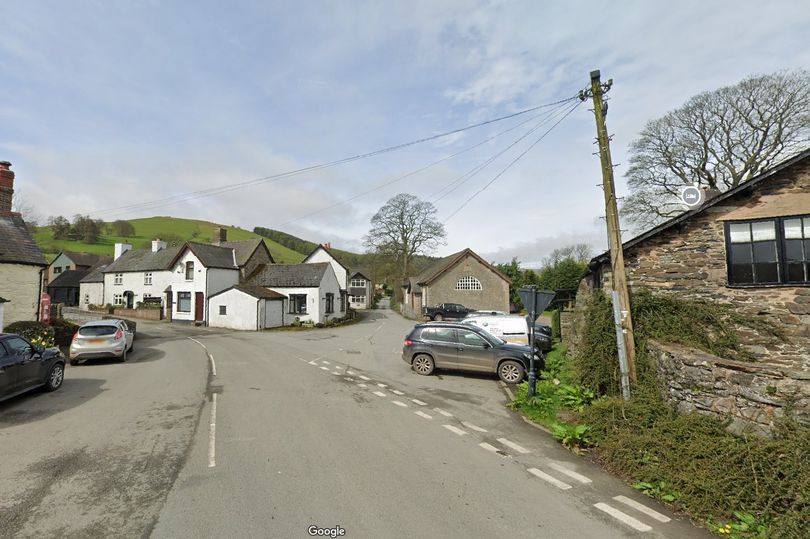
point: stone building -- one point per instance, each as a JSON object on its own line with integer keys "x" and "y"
{"x": 750, "y": 248}
{"x": 462, "y": 277}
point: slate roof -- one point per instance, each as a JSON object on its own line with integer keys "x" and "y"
{"x": 360, "y": 271}
{"x": 16, "y": 244}
{"x": 290, "y": 275}
{"x": 258, "y": 292}
{"x": 244, "y": 249}
{"x": 750, "y": 184}
{"x": 95, "y": 275}
{"x": 411, "y": 282}
{"x": 143, "y": 260}
{"x": 69, "y": 279}
{"x": 329, "y": 252}
{"x": 87, "y": 259}
{"x": 212, "y": 256}
{"x": 436, "y": 269}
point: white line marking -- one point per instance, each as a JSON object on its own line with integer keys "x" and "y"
{"x": 457, "y": 430}
{"x": 379, "y": 393}
{"x": 210, "y": 356}
{"x": 570, "y": 473}
{"x": 362, "y": 385}
{"x": 508, "y": 391}
{"x": 336, "y": 373}
{"x": 473, "y": 427}
{"x": 351, "y": 373}
{"x": 364, "y": 378}
{"x": 399, "y": 403}
{"x": 420, "y": 413}
{"x": 381, "y": 385}
{"x": 349, "y": 379}
{"x": 627, "y": 519}
{"x": 513, "y": 445}
{"x": 545, "y": 477}
{"x": 324, "y": 368}
{"x": 325, "y": 362}
{"x": 643, "y": 508}
{"x": 417, "y": 401}
{"x": 488, "y": 447}
{"x": 312, "y": 363}
{"x": 445, "y": 414}
{"x": 397, "y": 392}
{"x": 212, "y": 433}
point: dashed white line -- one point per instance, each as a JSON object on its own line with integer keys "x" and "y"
{"x": 336, "y": 373}
{"x": 553, "y": 480}
{"x": 420, "y": 413}
{"x": 324, "y": 368}
{"x": 445, "y": 414}
{"x": 473, "y": 427}
{"x": 627, "y": 519}
{"x": 351, "y": 373}
{"x": 212, "y": 433}
{"x": 456, "y": 430}
{"x": 364, "y": 378}
{"x": 642, "y": 508}
{"x": 397, "y": 392}
{"x": 312, "y": 363}
{"x": 400, "y": 403}
{"x": 381, "y": 385}
{"x": 417, "y": 401}
{"x": 379, "y": 393}
{"x": 488, "y": 447}
{"x": 349, "y": 379}
{"x": 325, "y": 362}
{"x": 570, "y": 473}
{"x": 513, "y": 445}
{"x": 362, "y": 385}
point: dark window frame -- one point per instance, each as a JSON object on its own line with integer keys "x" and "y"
{"x": 330, "y": 303}
{"x": 223, "y": 310}
{"x": 294, "y": 299}
{"x": 781, "y": 259}
{"x": 190, "y": 269}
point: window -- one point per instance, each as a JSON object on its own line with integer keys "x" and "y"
{"x": 444, "y": 335}
{"x": 57, "y": 270}
{"x": 119, "y": 279}
{"x": 189, "y": 271}
{"x": 358, "y": 283}
{"x": 330, "y": 303}
{"x": 468, "y": 283}
{"x": 357, "y": 299}
{"x": 118, "y": 299}
{"x": 470, "y": 338}
{"x": 342, "y": 301}
{"x": 298, "y": 303}
{"x": 773, "y": 251}
{"x": 223, "y": 310}
{"x": 87, "y": 299}
{"x": 184, "y": 302}
{"x": 147, "y": 278}
{"x": 17, "y": 346}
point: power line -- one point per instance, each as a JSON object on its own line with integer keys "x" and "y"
{"x": 515, "y": 160}
{"x": 184, "y": 197}
{"x": 421, "y": 169}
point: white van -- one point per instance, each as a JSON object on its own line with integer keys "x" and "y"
{"x": 514, "y": 329}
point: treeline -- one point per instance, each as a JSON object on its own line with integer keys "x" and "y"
{"x": 83, "y": 228}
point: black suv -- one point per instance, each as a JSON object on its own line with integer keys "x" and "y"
{"x": 24, "y": 366}
{"x": 450, "y": 345}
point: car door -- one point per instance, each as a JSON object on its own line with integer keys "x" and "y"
{"x": 8, "y": 372}
{"x": 442, "y": 345}
{"x": 474, "y": 352}
{"x": 28, "y": 362}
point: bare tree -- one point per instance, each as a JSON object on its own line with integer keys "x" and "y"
{"x": 717, "y": 140}
{"x": 404, "y": 227}
{"x": 581, "y": 252}
{"x": 26, "y": 209}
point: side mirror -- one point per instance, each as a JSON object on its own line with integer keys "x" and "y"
{"x": 487, "y": 345}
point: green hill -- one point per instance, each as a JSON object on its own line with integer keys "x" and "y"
{"x": 171, "y": 229}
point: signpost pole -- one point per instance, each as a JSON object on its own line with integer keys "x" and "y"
{"x": 532, "y": 370}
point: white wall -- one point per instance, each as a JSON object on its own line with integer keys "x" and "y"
{"x": 208, "y": 281}
{"x": 133, "y": 281}
{"x": 95, "y": 291}
{"x": 241, "y": 310}
{"x": 320, "y": 255}
{"x": 313, "y": 305}
{"x": 2, "y": 308}
{"x": 19, "y": 284}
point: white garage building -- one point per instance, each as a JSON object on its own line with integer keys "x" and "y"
{"x": 246, "y": 307}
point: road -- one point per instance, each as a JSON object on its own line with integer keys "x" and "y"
{"x": 325, "y": 428}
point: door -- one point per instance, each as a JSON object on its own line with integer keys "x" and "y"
{"x": 8, "y": 372}
{"x": 28, "y": 363}
{"x": 199, "y": 306}
{"x": 442, "y": 345}
{"x": 474, "y": 353}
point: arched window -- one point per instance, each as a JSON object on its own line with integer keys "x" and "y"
{"x": 468, "y": 283}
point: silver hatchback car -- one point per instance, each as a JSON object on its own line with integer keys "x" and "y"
{"x": 102, "y": 338}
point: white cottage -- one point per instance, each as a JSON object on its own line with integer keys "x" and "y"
{"x": 247, "y": 307}
{"x": 323, "y": 253}
{"x": 136, "y": 275}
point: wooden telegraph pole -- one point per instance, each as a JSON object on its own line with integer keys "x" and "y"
{"x": 619, "y": 276}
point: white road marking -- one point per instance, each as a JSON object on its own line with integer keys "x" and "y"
{"x": 545, "y": 477}
{"x": 381, "y": 385}
{"x": 351, "y": 373}
{"x": 445, "y": 414}
{"x": 212, "y": 433}
{"x": 397, "y": 392}
{"x": 362, "y": 385}
{"x": 488, "y": 447}
{"x": 364, "y": 378}
{"x": 473, "y": 427}
{"x": 336, "y": 373}
{"x": 417, "y": 401}
{"x": 627, "y": 519}
{"x": 348, "y": 379}
{"x": 643, "y": 508}
{"x": 210, "y": 356}
{"x": 570, "y": 473}
{"x": 324, "y": 368}
{"x": 312, "y": 363}
{"x": 325, "y": 362}
{"x": 508, "y": 391}
{"x": 513, "y": 445}
{"x": 420, "y": 413}
{"x": 400, "y": 403}
{"x": 379, "y": 393}
{"x": 457, "y": 430}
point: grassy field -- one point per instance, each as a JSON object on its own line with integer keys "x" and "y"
{"x": 159, "y": 227}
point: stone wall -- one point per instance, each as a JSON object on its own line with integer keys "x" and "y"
{"x": 146, "y": 314}
{"x": 494, "y": 294}
{"x": 750, "y": 394}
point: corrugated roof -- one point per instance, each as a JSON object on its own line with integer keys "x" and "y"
{"x": 290, "y": 275}
{"x": 69, "y": 279}
{"x": 143, "y": 260}
{"x": 256, "y": 291}
{"x": 16, "y": 244}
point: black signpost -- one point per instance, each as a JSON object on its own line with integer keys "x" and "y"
{"x": 535, "y": 301}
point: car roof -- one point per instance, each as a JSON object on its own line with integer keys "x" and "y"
{"x": 108, "y": 322}
{"x": 444, "y": 324}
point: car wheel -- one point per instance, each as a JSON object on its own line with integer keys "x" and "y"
{"x": 438, "y": 317}
{"x": 55, "y": 377}
{"x": 131, "y": 347}
{"x": 511, "y": 372}
{"x": 74, "y": 362}
{"x": 423, "y": 364}
{"x": 123, "y": 358}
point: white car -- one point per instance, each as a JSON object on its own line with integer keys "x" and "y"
{"x": 102, "y": 338}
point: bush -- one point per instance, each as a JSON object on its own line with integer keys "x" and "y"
{"x": 36, "y": 332}
{"x": 63, "y": 331}
{"x": 556, "y": 332}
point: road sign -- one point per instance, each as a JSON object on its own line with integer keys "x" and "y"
{"x": 692, "y": 196}
{"x": 539, "y": 299}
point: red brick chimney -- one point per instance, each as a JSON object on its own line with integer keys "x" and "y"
{"x": 6, "y": 187}
{"x": 327, "y": 245}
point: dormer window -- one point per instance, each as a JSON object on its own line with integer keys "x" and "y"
{"x": 189, "y": 271}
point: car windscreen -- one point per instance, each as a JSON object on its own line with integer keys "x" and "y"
{"x": 97, "y": 331}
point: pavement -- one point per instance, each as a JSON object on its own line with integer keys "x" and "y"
{"x": 212, "y": 433}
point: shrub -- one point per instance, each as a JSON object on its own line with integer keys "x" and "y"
{"x": 556, "y": 332}
{"x": 36, "y": 332}
{"x": 574, "y": 437}
{"x": 63, "y": 331}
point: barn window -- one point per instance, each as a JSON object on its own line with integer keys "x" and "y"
{"x": 468, "y": 283}
{"x": 223, "y": 310}
{"x": 769, "y": 251}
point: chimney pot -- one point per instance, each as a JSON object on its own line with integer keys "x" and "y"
{"x": 6, "y": 188}
{"x": 121, "y": 248}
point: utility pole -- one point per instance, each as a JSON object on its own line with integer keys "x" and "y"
{"x": 619, "y": 276}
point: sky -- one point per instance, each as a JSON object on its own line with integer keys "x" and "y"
{"x": 109, "y": 104}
